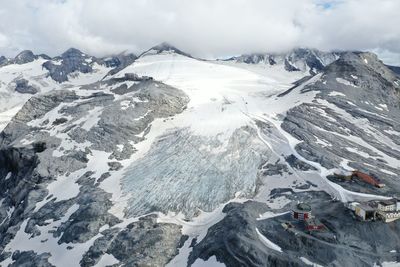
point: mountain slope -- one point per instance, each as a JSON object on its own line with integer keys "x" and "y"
{"x": 28, "y": 74}
{"x": 174, "y": 160}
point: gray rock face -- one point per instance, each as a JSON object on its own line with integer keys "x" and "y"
{"x": 119, "y": 62}
{"x": 28, "y": 165}
{"x": 235, "y": 241}
{"x": 23, "y": 87}
{"x": 395, "y": 69}
{"x": 30, "y": 258}
{"x": 255, "y": 59}
{"x": 357, "y": 123}
{"x": 3, "y": 60}
{"x": 295, "y": 60}
{"x": 71, "y": 60}
{"x": 165, "y": 47}
{"x": 275, "y": 169}
{"x": 35, "y": 108}
{"x": 142, "y": 243}
{"x": 346, "y": 242}
{"x": 24, "y": 57}
{"x": 156, "y": 100}
{"x": 298, "y": 164}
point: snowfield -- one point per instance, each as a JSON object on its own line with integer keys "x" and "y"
{"x": 218, "y": 128}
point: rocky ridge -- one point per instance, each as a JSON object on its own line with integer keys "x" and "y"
{"x": 300, "y": 59}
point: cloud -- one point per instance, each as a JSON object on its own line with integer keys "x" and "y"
{"x": 204, "y": 28}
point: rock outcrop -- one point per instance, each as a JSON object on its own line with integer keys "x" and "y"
{"x": 35, "y": 154}
{"x": 70, "y": 61}
{"x": 24, "y": 57}
{"x": 300, "y": 59}
{"x": 22, "y": 86}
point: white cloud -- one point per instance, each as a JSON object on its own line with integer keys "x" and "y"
{"x": 201, "y": 27}
{"x": 3, "y": 40}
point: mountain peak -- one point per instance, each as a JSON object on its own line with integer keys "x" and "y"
{"x": 72, "y": 52}
{"x": 363, "y": 63}
{"x": 25, "y": 56}
{"x": 3, "y": 60}
{"x": 165, "y": 47}
{"x": 298, "y": 59}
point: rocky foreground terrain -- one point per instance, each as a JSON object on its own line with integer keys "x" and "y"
{"x": 168, "y": 160}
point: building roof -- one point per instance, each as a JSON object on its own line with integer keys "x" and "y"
{"x": 366, "y": 207}
{"x": 303, "y": 207}
{"x": 388, "y": 202}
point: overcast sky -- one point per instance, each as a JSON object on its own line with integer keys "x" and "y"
{"x": 205, "y": 28}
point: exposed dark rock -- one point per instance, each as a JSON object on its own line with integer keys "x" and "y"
{"x": 395, "y": 69}
{"x": 30, "y": 259}
{"x": 166, "y": 47}
{"x": 70, "y": 61}
{"x": 234, "y": 240}
{"x": 59, "y": 121}
{"x": 298, "y": 164}
{"x": 23, "y": 87}
{"x": 3, "y": 61}
{"x": 114, "y": 166}
{"x": 24, "y": 57}
{"x": 365, "y": 82}
{"x": 39, "y": 147}
{"x": 300, "y": 59}
{"x": 289, "y": 66}
{"x": 142, "y": 243}
{"x": 275, "y": 169}
{"x": 119, "y": 62}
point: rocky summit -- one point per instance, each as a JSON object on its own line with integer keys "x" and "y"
{"x": 169, "y": 160}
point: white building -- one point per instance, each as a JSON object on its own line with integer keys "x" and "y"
{"x": 389, "y": 216}
{"x": 388, "y": 205}
{"x": 389, "y": 210}
{"x": 365, "y": 212}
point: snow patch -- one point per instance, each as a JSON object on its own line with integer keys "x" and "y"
{"x": 267, "y": 242}
{"x": 8, "y": 176}
{"x": 334, "y": 93}
{"x": 388, "y": 264}
{"x": 310, "y": 263}
{"x": 345, "y": 82}
{"x": 211, "y": 262}
{"x": 356, "y": 151}
{"x": 107, "y": 260}
{"x": 384, "y": 106}
{"x": 270, "y": 214}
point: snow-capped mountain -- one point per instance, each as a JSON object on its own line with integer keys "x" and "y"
{"x": 166, "y": 159}
{"x": 28, "y": 74}
{"x": 300, "y": 59}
